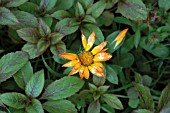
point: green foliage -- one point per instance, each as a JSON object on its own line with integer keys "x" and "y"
{"x": 35, "y": 33}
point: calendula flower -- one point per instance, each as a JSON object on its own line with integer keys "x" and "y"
{"x": 88, "y": 60}
{"x": 120, "y": 37}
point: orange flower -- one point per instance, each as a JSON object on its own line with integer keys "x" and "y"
{"x": 120, "y": 37}
{"x": 88, "y": 60}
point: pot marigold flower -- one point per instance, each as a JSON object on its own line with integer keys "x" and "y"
{"x": 88, "y": 60}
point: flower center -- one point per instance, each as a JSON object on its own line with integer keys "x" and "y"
{"x": 86, "y": 58}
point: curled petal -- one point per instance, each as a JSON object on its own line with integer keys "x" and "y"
{"x": 96, "y": 70}
{"x": 69, "y": 56}
{"x": 104, "y": 50}
{"x": 98, "y": 48}
{"x": 120, "y": 37}
{"x": 102, "y": 56}
{"x": 84, "y": 41}
{"x": 75, "y": 69}
{"x": 71, "y": 63}
{"x": 91, "y": 40}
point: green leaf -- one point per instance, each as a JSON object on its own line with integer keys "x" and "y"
{"x": 123, "y": 20}
{"x": 147, "y": 80}
{"x": 133, "y": 103}
{"x": 58, "y": 48}
{"x": 15, "y": 100}
{"x": 31, "y": 49}
{"x": 133, "y": 9}
{"x": 111, "y": 43}
{"x": 11, "y": 63}
{"x": 87, "y": 29}
{"x": 29, "y": 7}
{"x": 67, "y": 26}
{"x": 89, "y": 19}
{"x": 97, "y": 8}
{"x": 63, "y": 88}
{"x": 94, "y": 107}
{"x": 127, "y": 45}
{"x": 61, "y": 106}
{"x": 43, "y": 28}
{"x": 79, "y": 10}
{"x": 23, "y": 75}
{"x": 35, "y": 85}
{"x": 42, "y": 45}
{"x": 56, "y": 37}
{"x": 137, "y": 37}
{"x": 28, "y": 34}
{"x": 126, "y": 60}
{"x": 7, "y": 17}
{"x": 113, "y": 101}
{"x": 107, "y": 108}
{"x": 145, "y": 96}
{"x": 99, "y": 81}
{"x": 47, "y": 5}
{"x": 61, "y": 14}
{"x": 164, "y": 4}
{"x": 86, "y": 3}
{"x": 132, "y": 93}
{"x": 164, "y": 98}
{"x": 15, "y": 3}
{"x": 142, "y": 111}
{"x": 14, "y": 35}
{"x": 111, "y": 74}
{"x": 158, "y": 50}
{"x": 35, "y": 107}
{"x": 64, "y": 4}
{"x": 25, "y": 20}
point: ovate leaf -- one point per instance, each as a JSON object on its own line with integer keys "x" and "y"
{"x": 15, "y": 3}
{"x": 42, "y": 45}
{"x": 79, "y": 10}
{"x": 165, "y": 97}
{"x": 58, "y": 48}
{"x": 112, "y": 101}
{"x": 35, "y": 107}
{"x": 7, "y": 17}
{"x": 35, "y": 85}
{"x": 133, "y": 9}
{"x": 23, "y": 75}
{"x": 31, "y": 49}
{"x": 142, "y": 111}
{"x": 47, "y": 5}
{"x": 43, "y": 28}
{"x": 11, "y": 63}
{"x": 63, "y": 88}
{"x": 28, "y": 34}
{"x": 64, "y": 4}
{"x": 94, "y": 107}
{"x": 145, "y": 96}
{"x": 164, "y": 4}
{"x": 97, "y": 8}
{"x": 15, "y": 100}
{"x": 61, "y": 14}
{"x": 86, "y": 3}
{"x": 111, "y": 74}
{"x": 67, "y": 26}
{"x": 56, "y": 38}
{"x": 61, "y": 106}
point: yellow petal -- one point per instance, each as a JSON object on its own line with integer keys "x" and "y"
{"x": 71, "y": 63}
{"x": 86, "y": 73}
{"x": 96, "y": 70}
{"x": 69, "y": 56}
{"x": 120, "y": 37}
{"x": 75, "y": 69}
{"x": 99, "y": 64}
{"x": 84, "y": 41}
{"x": 98, "y": 48}
{"x": 104, "y": 50}
{"x": 81, "y": 71}
{"x": 91, "y": 40}
{"x": 102, "y": 56}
